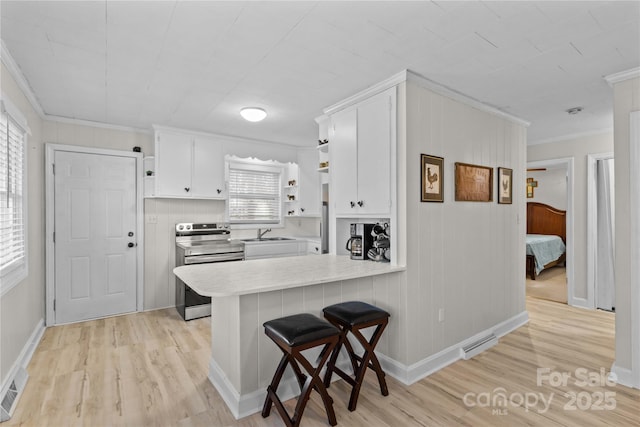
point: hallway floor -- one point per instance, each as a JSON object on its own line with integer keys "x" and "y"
{"x": 550, "y": 284}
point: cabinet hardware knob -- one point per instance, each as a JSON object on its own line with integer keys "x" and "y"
{"x": 187, "y": 189}
{"x": 301, "y": 209}
{"x": 219, "y": 191}
{"x": 360, "y": 203}
{"x": 352, "y": 204}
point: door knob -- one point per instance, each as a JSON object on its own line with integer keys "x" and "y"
{"x": 360, "y": 203}
{"x": 352, "y": 204}
{"x": 131, "y": 244}
{"x": 187, "y": 189}
{"x": 219, "y": 191}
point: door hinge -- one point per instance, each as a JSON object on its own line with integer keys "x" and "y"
{"x": 54, "y": 237}
{"x": 53, "y": 168}
{"x": 54, "y": 305}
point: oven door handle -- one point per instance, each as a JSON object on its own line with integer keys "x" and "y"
{"x": 202, "y": 259}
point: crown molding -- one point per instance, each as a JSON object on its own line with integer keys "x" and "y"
{"x": 229, "y": 138}
{"x": 410, "y": 76}
{"x": 571, "y": 136}
{"x": 367, "y": 93}
{"x": 461, "y": 97}
{"x": 23, "y": 85}
{"x": 622, "y": 76}
{"x": 102, "y": 125}
{"x": 21, "y": 81}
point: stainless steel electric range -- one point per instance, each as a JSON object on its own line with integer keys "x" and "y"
{"x": 198, "y": 244}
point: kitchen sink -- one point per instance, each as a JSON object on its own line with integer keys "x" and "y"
{"x": 267, "y": 239}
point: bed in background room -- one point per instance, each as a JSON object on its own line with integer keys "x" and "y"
{"x": 546, "y": 237}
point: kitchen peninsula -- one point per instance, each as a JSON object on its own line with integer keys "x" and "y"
{"x": 246, "y": 294}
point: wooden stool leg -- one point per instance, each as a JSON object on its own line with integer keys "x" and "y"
{"x": 313, "y": 382}
{"x": 331, "y": 365}
{"x": 271, "y": 390}
{"x": 367, "y": 358}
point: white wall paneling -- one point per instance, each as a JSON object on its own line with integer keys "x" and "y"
{"x": 487, "y": 238}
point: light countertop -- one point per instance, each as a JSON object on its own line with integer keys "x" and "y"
{"x": 264, "y": 275}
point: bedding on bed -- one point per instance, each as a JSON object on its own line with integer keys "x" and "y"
{"x": 544, "y": 248}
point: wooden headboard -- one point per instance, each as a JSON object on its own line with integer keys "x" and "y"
{"x": 545, "y": 219}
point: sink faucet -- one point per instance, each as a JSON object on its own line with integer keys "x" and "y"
{"x": 262, "y": 233}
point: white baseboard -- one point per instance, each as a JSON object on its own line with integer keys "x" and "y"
{"x": 581, "y": 303}
{"x": 250, "y": 403}
{"x": 419, "y": 370}
{"x": 24, "y": 357}
{"x": 624, "y": 376}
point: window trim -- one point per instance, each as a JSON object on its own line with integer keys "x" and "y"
{"x": 257, "y": 165}
{"x": 12, "y": 275}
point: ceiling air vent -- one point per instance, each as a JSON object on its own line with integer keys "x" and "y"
{"x": 10, "y": 396}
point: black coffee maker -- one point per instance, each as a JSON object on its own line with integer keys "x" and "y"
{"x": 361, "y": 240}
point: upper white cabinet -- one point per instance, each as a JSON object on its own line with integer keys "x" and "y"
{"x": 361, "y": 154}
{"x": 188, "y": 166}
{"x": 207, "y": 178}
{"x": 309, "y": 183}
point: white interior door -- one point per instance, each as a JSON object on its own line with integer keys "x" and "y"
{"x": 95, "y": 235}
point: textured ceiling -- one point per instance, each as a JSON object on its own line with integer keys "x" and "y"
{"x": 193, "y": 65}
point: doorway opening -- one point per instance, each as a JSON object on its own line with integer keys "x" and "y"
{"x": 553, "y": 186}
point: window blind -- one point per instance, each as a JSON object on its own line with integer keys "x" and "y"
{"x": 254, "y": 195}
{"x": 12, "y": 227}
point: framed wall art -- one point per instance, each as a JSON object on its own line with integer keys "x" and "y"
{"x": 473, "y": 183}
{"x": 531, "y": 184}
{"x": 505, "y": 186}
{"x": 432, "y": 169}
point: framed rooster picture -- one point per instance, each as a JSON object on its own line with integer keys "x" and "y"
{"x": 505, "y": 181}
{"x": 432, "y": 168}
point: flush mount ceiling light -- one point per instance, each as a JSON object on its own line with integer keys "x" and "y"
{"x": 253, "y": 114}
{"x": 573, "y": 111}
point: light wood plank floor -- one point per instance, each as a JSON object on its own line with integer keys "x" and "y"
{"x": 551, "y": 284}
{"x": 150, "y": 369}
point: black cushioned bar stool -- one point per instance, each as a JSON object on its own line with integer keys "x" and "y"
{"x": 294, "y": 334}
{"x": 353, "y": 316}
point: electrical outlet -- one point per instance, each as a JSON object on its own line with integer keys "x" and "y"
{"x": 152, "y": 219}
{"x": 441, "y": 315}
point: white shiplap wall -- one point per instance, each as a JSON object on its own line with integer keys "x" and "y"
{"x": 466, "y": 258}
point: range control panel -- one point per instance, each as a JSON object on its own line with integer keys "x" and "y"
{"x": 197, "y": 228}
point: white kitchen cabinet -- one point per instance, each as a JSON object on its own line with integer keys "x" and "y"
{"x": 343, "y": 161}
{"x": 361, "y": 156}
{"x": 308, "y": 183}
{"x": 207, "y": 178}
{"x": 314, "y": 247}
{"x": 188, "y": 166}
